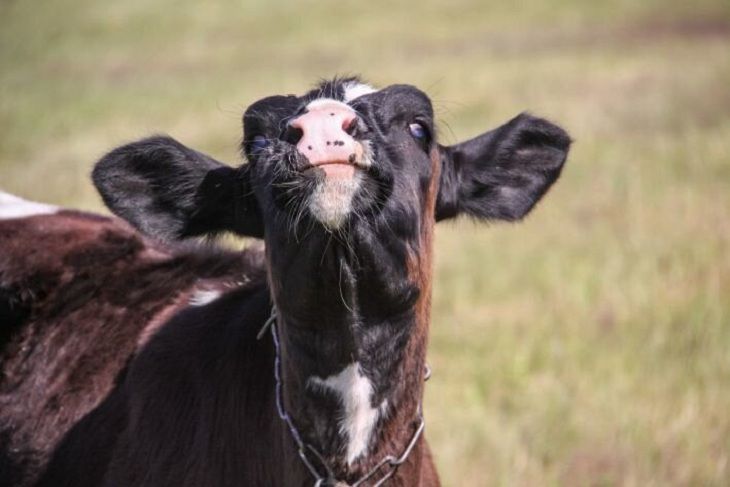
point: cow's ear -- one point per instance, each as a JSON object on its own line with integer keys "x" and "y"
{"x": 502, "y": 173}
{"x": 170, "y": 191}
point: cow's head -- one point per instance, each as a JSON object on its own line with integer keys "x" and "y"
{"x": 340, "y": 155}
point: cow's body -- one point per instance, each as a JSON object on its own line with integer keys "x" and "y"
{"x": 133, "y": 361}
{"x": 94, "y": 296}
{"x": 80, "y": 294}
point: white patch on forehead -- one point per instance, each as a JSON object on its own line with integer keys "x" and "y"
{"x": 359, "y": 417}
{"x": 13, "y": 207}
{"x": 354, "y": 89}
{"x": 201, "y": 297}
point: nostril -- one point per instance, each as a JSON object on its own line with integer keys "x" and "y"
{"x": 349, "y": 125}
{"x": 292, "y": 134}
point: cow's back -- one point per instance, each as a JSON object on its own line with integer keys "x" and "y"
{"x": 80, "y": 294}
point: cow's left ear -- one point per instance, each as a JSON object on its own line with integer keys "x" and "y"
{"x": 170, "y": 191}
{"x": 502, "y": 173}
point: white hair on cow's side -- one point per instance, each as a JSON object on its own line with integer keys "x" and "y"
{"x": 12, "y": 206}
{"x": 201, "y": 297}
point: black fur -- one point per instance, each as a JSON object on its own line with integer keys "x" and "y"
{"x": 170, "y": 191}
{"x": 502, "y": 173}
{"x": 199, "y": 395}
{"x": 13, "y": 312}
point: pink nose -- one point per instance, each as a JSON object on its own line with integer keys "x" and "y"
{"x": 324, "y": 134}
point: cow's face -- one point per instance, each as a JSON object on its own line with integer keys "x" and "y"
{"x": 342, "y": 154}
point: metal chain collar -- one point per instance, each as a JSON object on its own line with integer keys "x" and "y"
{"x": 329, "y": 479}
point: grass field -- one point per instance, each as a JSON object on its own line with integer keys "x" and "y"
{"x": 589, "y": 345}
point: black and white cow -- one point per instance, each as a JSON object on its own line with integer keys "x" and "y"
{"x": 132, "y": 359}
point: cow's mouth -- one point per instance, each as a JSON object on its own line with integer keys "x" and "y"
{"x": 333, "y": 169}
{"x": 335, "y": 185}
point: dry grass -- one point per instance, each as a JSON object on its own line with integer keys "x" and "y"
{"x": 586, "y": 346}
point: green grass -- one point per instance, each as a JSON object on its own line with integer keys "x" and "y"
{"x": 589, "y": 345}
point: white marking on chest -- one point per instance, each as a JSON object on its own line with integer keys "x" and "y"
{"x": 201, "y": 297}
{"x": 354, "y": 90}
{"x": 359, "y": 417}
{"x": 13, "y": 207}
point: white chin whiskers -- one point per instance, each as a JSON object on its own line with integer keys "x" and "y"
{"x": 331, "y": 201}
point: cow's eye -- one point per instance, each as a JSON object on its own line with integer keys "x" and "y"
{"x": 418, "y": 131}
{"x": 259, "y": 143}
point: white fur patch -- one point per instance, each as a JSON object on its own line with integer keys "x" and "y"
{"x": 201, "y": 297}
{"x": 354, "y": 90}
{"x": 13, "y": 207}
{"x": 359, "y": 417}
{"x": 331, "y": 200}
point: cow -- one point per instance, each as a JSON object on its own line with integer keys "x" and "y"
{"x": 135, "y": 354}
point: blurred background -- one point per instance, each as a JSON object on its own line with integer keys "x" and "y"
{"x": 588, "y": 345}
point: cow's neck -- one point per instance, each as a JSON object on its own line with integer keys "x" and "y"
{"x": 353, "y": 322}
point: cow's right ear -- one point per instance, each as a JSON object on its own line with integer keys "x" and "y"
{"x": 170, "y": 191}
